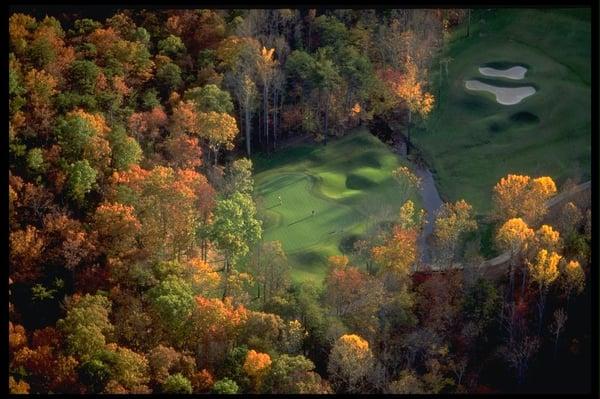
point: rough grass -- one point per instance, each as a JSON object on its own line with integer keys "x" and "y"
{"x": 471, "y": 141}
{"x": 349, "y": 185}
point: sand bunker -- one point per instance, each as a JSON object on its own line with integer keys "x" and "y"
{"x": 516, "y": 72}
{"x": 504, "y": 95}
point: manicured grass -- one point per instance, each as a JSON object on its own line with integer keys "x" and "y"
{"x": 349, "y": 185}
{"x": 471, "y": 141}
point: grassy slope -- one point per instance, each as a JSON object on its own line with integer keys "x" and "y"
{"x": 471, "y": 141}
{"x": 343, "y": 182}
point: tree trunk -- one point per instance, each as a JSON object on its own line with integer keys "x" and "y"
{"x": 541, "y": 306}
{"x": 511, "y": 271}
{"x": 266, "y": 113}
{"x": 523, "y": 280}
{"x": 248, "y": 136}
{"x": 226, "y": 279}
{"x": 260, "y": 129}
{"x": 274, "y": 119}
{"x": 469, "y": 22}
{"x": 408, "y": 135}
{"x": 326, "y": 119}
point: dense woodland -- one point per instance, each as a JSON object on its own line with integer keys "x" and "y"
{"x": 136, "y": 261}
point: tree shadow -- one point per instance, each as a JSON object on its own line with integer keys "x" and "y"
{"x": 300, "y": 220}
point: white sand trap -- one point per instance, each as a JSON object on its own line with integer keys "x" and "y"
{"x": 504, "y": 95}
{"x": 516, "y": 72}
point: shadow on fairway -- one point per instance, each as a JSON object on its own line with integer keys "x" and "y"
{"x": 280, "y": 183}
{"x": 299, "y": 220}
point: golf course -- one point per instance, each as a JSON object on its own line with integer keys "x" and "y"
{"x": 348, "y": 184}
{"x": 515, "y": 98}
{"x": 470, "y": 140}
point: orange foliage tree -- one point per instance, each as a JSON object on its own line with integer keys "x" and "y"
{"x": 168, "y": 203}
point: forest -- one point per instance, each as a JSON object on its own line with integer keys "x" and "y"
{"x": 228, "y": 201}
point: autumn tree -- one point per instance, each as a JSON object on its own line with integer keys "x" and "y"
{"x": 293, "y": 375}
{"x": 557, "y": 326}
{"x": 26, "y": 248}
{"x": 350, "y": 362}
{"x": 117, "y": 226}
{"x": 147, "y": 126}
{"x": 521, "y": 196}
{"x": 398, "y": 253}
{"x": 544, "y": 271}
{"x": 256, "y": 366}
{"x": 271, "y": 270}
{"x": 354, "y": 295}
{"x": 410, "y": 91}
{"x": 219, "y": 129}
{"x": 570, "y": 217}
{"x": 572, "y": 279}
{"x": 514, "y": 236}
{"x": 407, "y": 383}
{"x": 215, "y": 326}
{"x": 168, "y": 203}
{"x": 407, "y": 181}
{"x": 452, "y": 221}
{"x": 266, "y": 65}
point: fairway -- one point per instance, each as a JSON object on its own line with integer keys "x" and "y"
{"x": 471, "y": 141}
{"x": 347, "y": 183}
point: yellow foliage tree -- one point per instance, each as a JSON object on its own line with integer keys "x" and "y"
{"x": 514, "y": 236}
{"x": 521, "y": 196}
{"x": 219, "y": 129}
{"x": 350, "y": 361}
{"x": 573, "y": 278}
{"x": 546, "y": 238}
{"x": 410, "y": 91}
{"x": 204, "y": 278}
{"x": 544, "y": 271}
{"x": 398, "y": 253}
{"x": 452, "y": 221}
{"x": 409, "y": 218}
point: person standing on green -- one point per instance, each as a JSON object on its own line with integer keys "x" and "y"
{"x": 280, "y": 201}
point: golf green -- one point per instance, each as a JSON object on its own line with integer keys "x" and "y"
{"x": 318, "y": 199}
{"x": 471, "y": 141}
